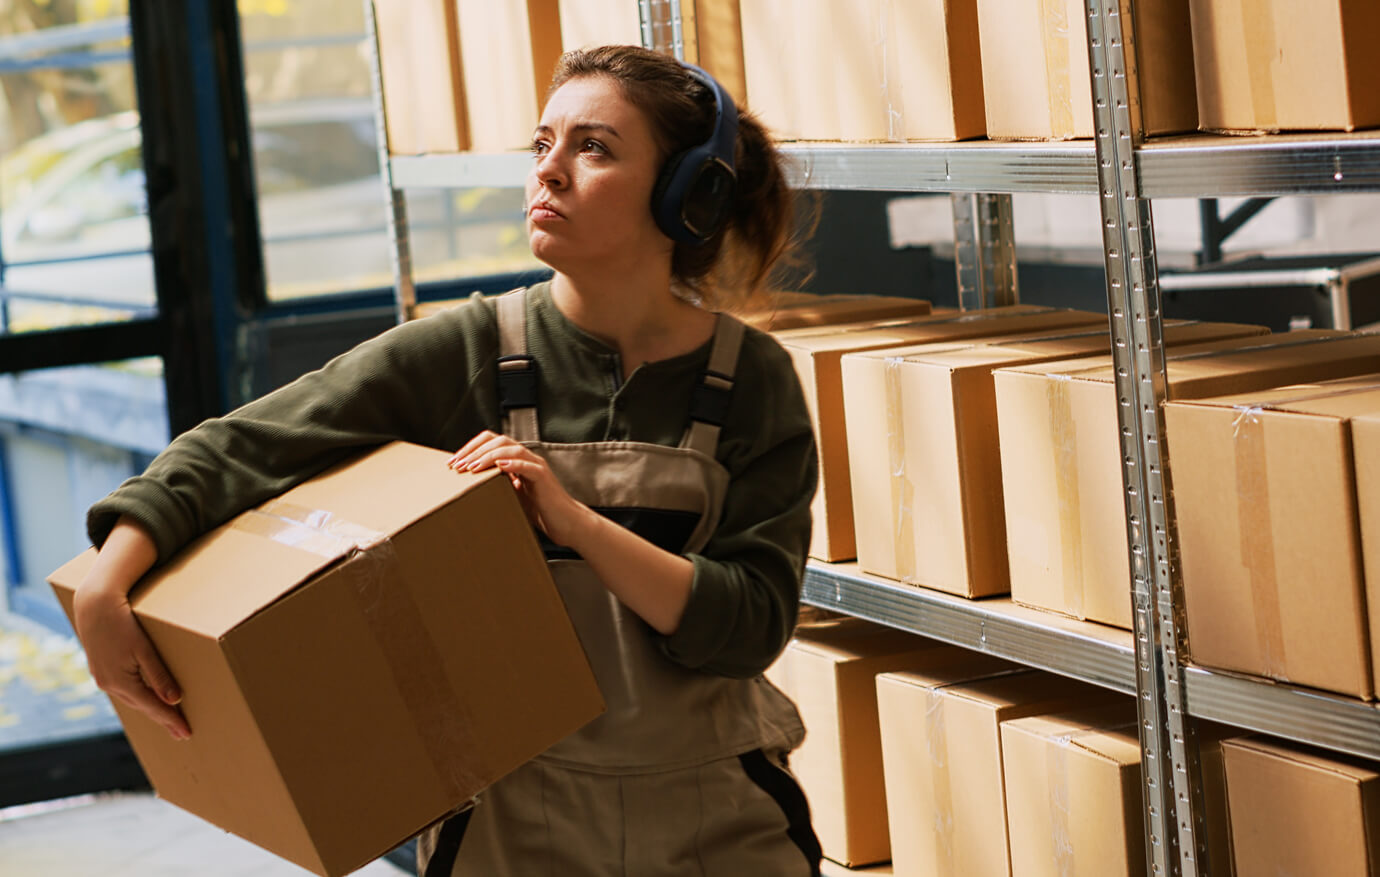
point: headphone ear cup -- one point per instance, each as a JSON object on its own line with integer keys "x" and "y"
{"x": 666, "y": 198}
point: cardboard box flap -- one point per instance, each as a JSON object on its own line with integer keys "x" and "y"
{"x": 1344, "y": 398}
{"x": 1050, "y": 344}
{"x": 965, "y": 676}
{"x": 935, "y": 316}
{"x": 893, "y": 334}
{"x": 1334, "y": 763}
{"x": 1216, "y": 357}
{"x": 1107, "y": 732}
{"x": 851, "y": 640}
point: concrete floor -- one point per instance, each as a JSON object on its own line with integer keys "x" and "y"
{"x": 133, "y": 835}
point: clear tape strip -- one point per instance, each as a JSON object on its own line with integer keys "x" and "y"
{"x": 902, "y": 490}
{"x": 1257, "y": 544}
{"x": 1066, "y": 483}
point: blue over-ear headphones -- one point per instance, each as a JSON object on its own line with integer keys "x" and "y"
{"x": 694, "y": 194}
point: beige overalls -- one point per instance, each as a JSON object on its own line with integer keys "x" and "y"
{"x": 685, "y": 773}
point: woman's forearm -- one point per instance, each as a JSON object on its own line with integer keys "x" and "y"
{"x": 128, "y": 552}
{"x": 652, "y": 582}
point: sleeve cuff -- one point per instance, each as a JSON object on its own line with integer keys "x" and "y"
{"x": 703, "y": 624}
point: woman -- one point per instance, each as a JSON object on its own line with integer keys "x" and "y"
{"x": 662, "y": 450}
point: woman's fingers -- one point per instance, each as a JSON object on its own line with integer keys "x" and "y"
{"x": 125, "y": 664}
{"x": 484, "y": 450}
{"x": 463, "y": 455}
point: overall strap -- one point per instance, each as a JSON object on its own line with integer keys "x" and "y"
{"x": 517, "y": 371}
{"x": 709, "y": 402}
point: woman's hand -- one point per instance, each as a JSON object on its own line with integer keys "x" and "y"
{"x": 652, "y": 582}
{"x": 123, "y": 661}
{"x": 560, "y": 516}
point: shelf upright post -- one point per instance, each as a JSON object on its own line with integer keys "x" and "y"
{"x": 1171, "y": 776}
{"x": 399, "y": 247}
{"x": 984, "y": 251}
{"x": 667, "y": 25}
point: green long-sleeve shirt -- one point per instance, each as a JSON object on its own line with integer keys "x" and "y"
{"x": 434, "y": 382}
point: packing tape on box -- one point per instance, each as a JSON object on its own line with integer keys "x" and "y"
{"x": 1065, "y": 444}
{"x": 1262, "y": 46}
{"x": 902, "y": 489}
{"x": 937, "y": 745}
{"x": 371, "y": 562}
{"x": 1060, "y": 802}
{"x": 1057, "y": 66}
{"x": 1257, "y": 543}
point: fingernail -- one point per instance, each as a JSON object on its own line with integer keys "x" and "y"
{"x": 471, "y": 467}
{"x": 172, "y": 696}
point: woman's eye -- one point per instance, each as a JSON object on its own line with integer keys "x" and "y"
{"x": 594, "y": 146}
{"x": 540, "y": 147}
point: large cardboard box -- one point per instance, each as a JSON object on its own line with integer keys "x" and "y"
{"x": 589, "y": 23}
{"x": 1062, "y": 481}
{"x": 359, "y": 657}
{"x": 830, "y": 670}
{"x": 1275, "y": 65}
{"x": 1035, "y": 74}
{"x": 802, "y": 310}
{"x": 1294, "y": 811}
{"x": 816, "y": 353}
{"x": 923, "y": 456}
{"x": 1073, "y": 793}
{"x": 713, "y": 41}
{"x": 510, "y": 49}
{"x": 1269, "y": 544}
{"x": 1365, "y": 449}
{"x": 419, "y": 60}
{"x": 942, "y": 757}
{"x": 864, "y": 69}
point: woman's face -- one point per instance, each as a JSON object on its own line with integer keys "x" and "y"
{"x": 589, "y": 191}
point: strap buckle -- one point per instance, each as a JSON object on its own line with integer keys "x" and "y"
{"x": 709, "y": 402}
{"x": 517, "y": 382}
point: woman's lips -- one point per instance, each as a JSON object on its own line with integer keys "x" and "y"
{"x": 543, "y": 211}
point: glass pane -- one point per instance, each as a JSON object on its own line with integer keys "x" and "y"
{"x": 68, "y": 436}
{"x": 74, "y": 234}
{"x": 322, "y": 209}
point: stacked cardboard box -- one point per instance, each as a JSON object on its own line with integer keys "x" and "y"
{"x": 712, "y": 36}
{"x": 1279, "y": 65}
{"x": 817, "y": 354}
{"x": 509, "y": 50}
{"x": 879, "y": 70}
{"x": 1062, "y": 483}
{"x": 1073, "y": 796}
{"x": 830, "y": 671}
{"x": 359, "y": 657}
{"x": 1266, "y": 489}
{"x": 797, "y": 310}
{"x": 942, "y": 757}
{"x": 419, "y": 59}
{"x": 924, "y": 463}
{"x": 1295, "y": 811}
{"x": 1036, "y": 77}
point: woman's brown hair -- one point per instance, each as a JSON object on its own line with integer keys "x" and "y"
{"x": 734, "y": 268}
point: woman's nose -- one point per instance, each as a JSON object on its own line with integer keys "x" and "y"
{"x": 551, "y": 170}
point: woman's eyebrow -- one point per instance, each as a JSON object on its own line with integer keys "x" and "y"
{"x": 583, "y": 128}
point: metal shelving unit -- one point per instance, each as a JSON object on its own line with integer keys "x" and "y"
{"x": 1092, "y": 652}
{"x": 1125, "y": 172}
